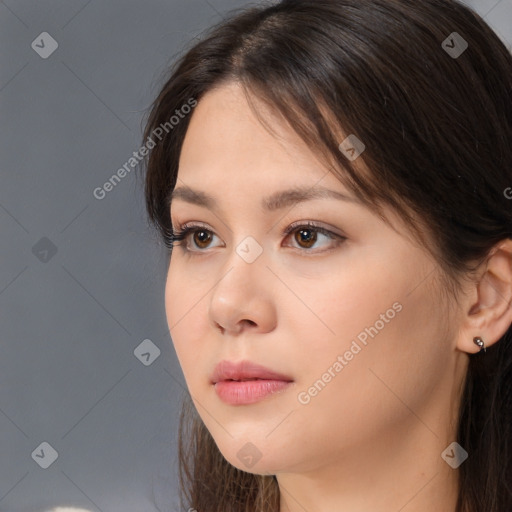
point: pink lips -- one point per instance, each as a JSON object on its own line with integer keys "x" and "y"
{"x": 246, "y": 382}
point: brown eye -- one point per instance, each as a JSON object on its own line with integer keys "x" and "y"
{"x": 305, "y": 237}
{"x": 202, "y": 236}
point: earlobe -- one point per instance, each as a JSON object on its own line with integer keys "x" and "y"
{"x": 490, "y": 315}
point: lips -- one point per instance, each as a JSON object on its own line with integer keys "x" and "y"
{"x": 245, "y": 371}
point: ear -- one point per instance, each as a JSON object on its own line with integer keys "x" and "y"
{"x": 488, "y": 310}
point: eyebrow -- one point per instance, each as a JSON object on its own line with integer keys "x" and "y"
{"x": 275, "y": 201}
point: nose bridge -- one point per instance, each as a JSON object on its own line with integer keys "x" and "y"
{"x": 238, "y": 294}
{"x": 249, "y": 249}
{"x": 245, "y": 264}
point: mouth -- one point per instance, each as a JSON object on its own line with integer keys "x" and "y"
{"x": 244, "y": 371}
{"x": 246, "y": 383}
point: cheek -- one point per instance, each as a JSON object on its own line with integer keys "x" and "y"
{"x": 388, "y": 331}
{"x": 185, "y": 306}
{"x": 384, "y": 294}
{"x": 344, "y": 305}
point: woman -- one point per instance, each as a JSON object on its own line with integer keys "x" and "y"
{"x": 333, "y": 179}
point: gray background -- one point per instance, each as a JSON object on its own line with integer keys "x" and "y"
{"x": 71, "y": 320}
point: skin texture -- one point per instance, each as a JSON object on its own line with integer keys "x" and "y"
{"x": 372, "y": 438}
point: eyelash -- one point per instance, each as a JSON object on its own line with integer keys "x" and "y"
{"x": 182, "y": 232}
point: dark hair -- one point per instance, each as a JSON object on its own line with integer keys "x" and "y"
{"x": 438, "y": 133}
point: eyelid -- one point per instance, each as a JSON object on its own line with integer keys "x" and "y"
{"x": 314, "y": 225}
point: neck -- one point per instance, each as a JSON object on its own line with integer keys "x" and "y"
{"x": 399, "y": 470}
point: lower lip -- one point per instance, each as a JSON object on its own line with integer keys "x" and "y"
{"x": 248, "y": 392}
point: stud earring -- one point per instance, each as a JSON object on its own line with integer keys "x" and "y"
{"x": 480, "y": 342}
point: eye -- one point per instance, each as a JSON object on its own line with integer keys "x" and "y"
{"x": 306, "y": 235}
{"x": 202, "y": 235}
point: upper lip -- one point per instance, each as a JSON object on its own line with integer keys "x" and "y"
{"x": 228, "y": 370}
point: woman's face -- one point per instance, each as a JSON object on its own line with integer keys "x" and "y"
{"x": 354, "y": 321}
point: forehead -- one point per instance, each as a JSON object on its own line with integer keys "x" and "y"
{"x": 225, "y": 134}
{"x": 229, "y": 151}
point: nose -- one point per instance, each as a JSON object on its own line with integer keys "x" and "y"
{"x": 243, "y": 300}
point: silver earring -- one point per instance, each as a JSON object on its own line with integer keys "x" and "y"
{"x": 480, "y": 342}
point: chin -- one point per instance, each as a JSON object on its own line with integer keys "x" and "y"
{"x": 251, "y": 457}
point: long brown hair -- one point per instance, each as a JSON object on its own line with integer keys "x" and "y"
{"x": 436, "y": 118}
